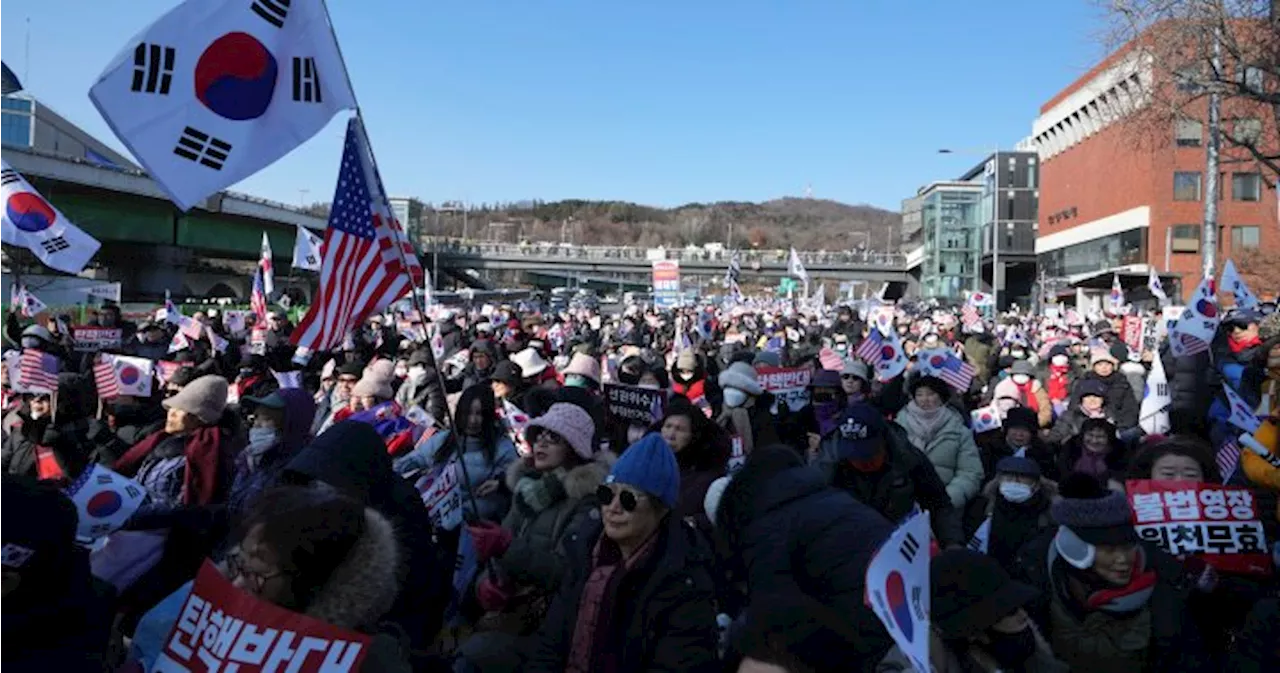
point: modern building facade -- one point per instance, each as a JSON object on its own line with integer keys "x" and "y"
{"x": 1117, "y": 197}
{"x": 950, "y": 238}
{"x": 1008, "y": 223}
{"x": 27, "y": 123}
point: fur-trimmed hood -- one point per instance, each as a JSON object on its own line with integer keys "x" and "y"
{"x": 360, "y": 592}
{"x": 1047, "y": 486}
{"x": 578, "y": 483}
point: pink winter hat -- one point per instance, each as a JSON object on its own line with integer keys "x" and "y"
{"x": 569, "y": 421}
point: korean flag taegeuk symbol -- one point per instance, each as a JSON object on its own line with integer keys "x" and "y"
{"x": 216, "y": 90}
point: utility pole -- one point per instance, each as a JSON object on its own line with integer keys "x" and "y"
{"x": 1210, "y": 236}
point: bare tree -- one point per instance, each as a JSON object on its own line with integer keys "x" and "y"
{"x": 1177, "y": 39}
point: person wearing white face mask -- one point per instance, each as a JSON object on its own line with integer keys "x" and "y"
{"x": 1022, "y": 388}
{"x": 1018, "y": 501}
{"x": 421, "y": 387}
{"x": 281, "y": 427}
{"x": 745, "y": 414}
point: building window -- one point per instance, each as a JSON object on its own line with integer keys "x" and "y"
{"x": 1246, "y": 187}
{"x": 1188, "y": 132}
{"x": 15, "y": 129}
{"x": 1185, "y": 238}
{"x": 1250, "y": 77}
{"x": 1245, "y": 237}
{"x": 1188, "y": 79}
{"x": 1186, "y": 186}
{"x": 1247, "y": 130}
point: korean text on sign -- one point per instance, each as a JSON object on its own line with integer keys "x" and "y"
{"x": 222, "y": 628}
{"x": 1218, "y": 522}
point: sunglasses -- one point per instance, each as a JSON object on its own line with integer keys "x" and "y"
{"x": 628, "y": 499}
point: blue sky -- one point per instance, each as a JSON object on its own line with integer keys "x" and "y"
{"x": 661, "y": 102}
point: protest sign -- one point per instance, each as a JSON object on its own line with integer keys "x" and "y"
{"x": 1219, "y": 523}
{"x": 89, "y": 339}
{"x": 635, "y": 405}
{"x": 898, "y": 588}
{"x": 222, "y": 628}
{"x": 1133, "y": 331}
{"x": 441, "y": 492}
{"x": 104, "y": 500}
{"x": 789, "y": 384}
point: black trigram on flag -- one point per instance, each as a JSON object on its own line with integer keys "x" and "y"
{"x": 55, "y": 244}
{"x": 153, "y": 68}
{"x": 273, "y": 12}
{"x": 306, "y": 80}
{"x": 202, "y": 148}
{"x": 8, "y": 176}
{"x": 910, "y": 546}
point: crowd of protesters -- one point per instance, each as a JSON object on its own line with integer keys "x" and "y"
{"x": 733, "y": 533}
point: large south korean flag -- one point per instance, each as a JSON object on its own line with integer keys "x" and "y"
{"x": 216, "y": 90}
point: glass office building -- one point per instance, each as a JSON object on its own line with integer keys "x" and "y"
{"x": 950, "y": 214}
{"x": 17, "y": 121}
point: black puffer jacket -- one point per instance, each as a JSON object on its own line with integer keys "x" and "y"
{"x": 352, "y": 458}
{"x": 133, "y": 422}
{"x": 792, "y": 533}
{"x": 664, "y": 613}
{"x": 1189, "y": 378}
{"x": 1122, "y": 405}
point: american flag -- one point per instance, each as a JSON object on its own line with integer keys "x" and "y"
{"x": 869, "y": 349}
{"x": 104, "y": 377}
{"x": 1189, "y": 345}
{"x": 38, "y": 371}
{"x": 258, "y": 297}
{"x": 830, "y": 359}
{"x": 945, "y": 365}
{"x": 969, "y": 315}
{"x": 1228, "y": 458}
{"x": 368, "y": 263}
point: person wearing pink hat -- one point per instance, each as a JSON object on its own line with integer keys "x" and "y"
{"x": 553, "y": 489}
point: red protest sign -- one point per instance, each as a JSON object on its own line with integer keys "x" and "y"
{"x": 223, "y": 628}
{"x": 1219, "y": 523}
{"x": 789, "y": 384}
{"x": 1133, "y": 329}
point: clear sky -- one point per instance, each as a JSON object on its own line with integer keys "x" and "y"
{"x": 661, "y": 102}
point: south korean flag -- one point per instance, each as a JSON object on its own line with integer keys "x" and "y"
{"x": 217, "y": 90}
{"x": 33, "y": 223}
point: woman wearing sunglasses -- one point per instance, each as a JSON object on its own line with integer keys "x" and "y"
{"x": 639, "y": 594}
{"x": 523, "y": 559}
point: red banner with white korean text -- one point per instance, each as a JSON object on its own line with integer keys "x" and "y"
{"x": 222, "y": 628}
{"x": 1218, "y": 523}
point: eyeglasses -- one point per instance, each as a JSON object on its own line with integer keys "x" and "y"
{"x": 628, "y": 499}
{"x": 237, "y": 568}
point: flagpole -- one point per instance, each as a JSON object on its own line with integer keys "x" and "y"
{"x": 413, "y": 295}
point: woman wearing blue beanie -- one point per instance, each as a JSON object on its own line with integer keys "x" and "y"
{"x": 639, "y": 595}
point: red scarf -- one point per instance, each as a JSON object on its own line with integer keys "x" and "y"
{"x": 593, "y": 624}
{"x": 200, "y": 479}
{"x": 1059, "y": 386}
{"x": 690, "y": 390}
{"x": 1238, "y": 346}
{"x": 1028, "y": 395}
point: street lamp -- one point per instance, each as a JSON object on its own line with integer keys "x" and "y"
{"x": 995, "y": 215}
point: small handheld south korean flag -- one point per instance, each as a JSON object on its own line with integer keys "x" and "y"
{"x": 1233, "y": 283}
{"x": 898, "y": 588}
{"x": 33, "y": 223}
{"x": 306, "y": 250}
{"x": 985, "y": 419}
{"x": 1115, "y": 300}
{"x": 28, "y": 304}
{"x": 216, "y": 90}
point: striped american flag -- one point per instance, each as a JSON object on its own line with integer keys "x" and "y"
{"x": 368, "y": 263}
{"x": 1191, "y": 345}
{"x": 1228, "y": 458}
{"x": 969, "y": 315}
{"x": 945, "y": 365}
{"x": 104, "y": 377}
{"x": 830, "y": 359}
{"x": 38, "y": 371}
{"x": 258, "y": 298}
{"x": 869, "y": 349}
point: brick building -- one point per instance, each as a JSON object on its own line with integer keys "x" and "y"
{"x": 1122, "y": 183}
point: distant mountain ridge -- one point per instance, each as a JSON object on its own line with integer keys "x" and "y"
{"x": 805, "y": 223}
